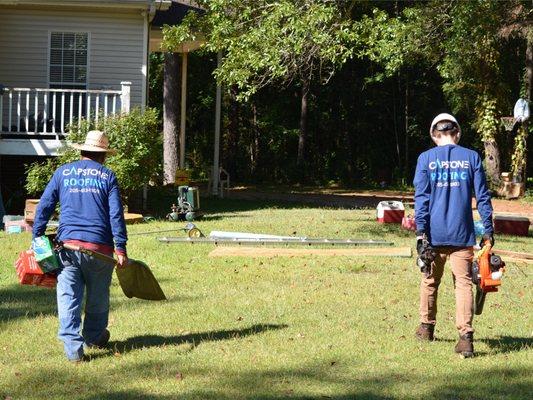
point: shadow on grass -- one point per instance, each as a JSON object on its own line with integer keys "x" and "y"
{"x": 19, "y": 301}
{"x": 160, "y": 200}
{"x": 508, "y": 344}
{"x": 24, "y": 301}
{"x": 500, "y": 345}
{"x": 319, "y": 380}
{"x": 193, "y": 339}
{"x": 228, "y": 205}
{"x": 377, "y": 230}
{"x": 299, "y": 383}
{"x": 220, "y": 216}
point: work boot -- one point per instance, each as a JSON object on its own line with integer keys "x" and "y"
{"x": 465, "y": 345}
{"x": 78, "y": 360}
{"x": 102, "y": 340}
{"x": 425, "y": 332}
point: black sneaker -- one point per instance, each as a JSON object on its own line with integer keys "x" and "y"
{"x": 425, "y": 332}
{"x": 465, "y": 345}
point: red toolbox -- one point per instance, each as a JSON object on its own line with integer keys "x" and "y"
{"x": 29, "y": 272}
{"x": 390, "y": 212}
{"x": 511, "y": 225}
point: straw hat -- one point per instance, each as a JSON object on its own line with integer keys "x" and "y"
{"x": 95, "y": 141}
{"x": 445, "y": 117}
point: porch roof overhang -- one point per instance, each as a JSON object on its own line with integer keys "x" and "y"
{"x": 173, "y": 15}
{"x": 156, "y": 41}
{"x": 123, "y": 4}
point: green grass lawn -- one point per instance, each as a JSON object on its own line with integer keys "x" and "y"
{"x": 296, "y": 328}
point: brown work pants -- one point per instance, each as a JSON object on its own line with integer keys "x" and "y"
{"x": 461, "y": 261}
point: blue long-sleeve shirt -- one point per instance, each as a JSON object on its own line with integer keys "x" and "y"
{"x": 91, "y": 209}
{"x": 445, "y": 179}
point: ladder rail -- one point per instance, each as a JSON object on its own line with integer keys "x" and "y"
{"x": 266, "y": 241}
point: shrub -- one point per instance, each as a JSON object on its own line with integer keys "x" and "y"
{"x": 136, "y": 138}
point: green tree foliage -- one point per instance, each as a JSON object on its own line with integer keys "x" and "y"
{"x": 462, "y": 40}
{"x": 272, "y": 43}
{"x": 269, "y": 42}
{"x": 135, "y": 136}
{"x": 458, "y": 38}
{"x": 406, "y": 62}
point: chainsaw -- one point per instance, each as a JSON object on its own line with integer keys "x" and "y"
{"x": 487, "y": 271}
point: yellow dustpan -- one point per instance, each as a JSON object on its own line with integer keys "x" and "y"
{"x": 136, "y": 280}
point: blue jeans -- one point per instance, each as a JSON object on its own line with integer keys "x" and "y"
{"x": 77, "y": 271}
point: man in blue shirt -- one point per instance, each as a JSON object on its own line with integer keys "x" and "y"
{"x": 91, "y": 217}
{"x": 445, "y": 179}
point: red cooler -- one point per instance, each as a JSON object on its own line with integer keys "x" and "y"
{"x": 390, "y": 212}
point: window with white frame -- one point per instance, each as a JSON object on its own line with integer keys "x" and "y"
{"x": 68, "y": 60}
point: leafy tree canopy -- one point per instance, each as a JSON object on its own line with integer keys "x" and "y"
{"x": 459, "y": 38}
{"x": 271, "y": 41}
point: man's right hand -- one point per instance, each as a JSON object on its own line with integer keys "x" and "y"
{"x": 487, "y": 237}
{"x": 420, "y": 246}
{"x": 122, "y": 261}
{"x": 425, "y": 251}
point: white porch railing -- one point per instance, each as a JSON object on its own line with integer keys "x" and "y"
{"x": 34, "y": 113}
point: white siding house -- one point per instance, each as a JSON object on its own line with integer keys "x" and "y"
{"x": 63, "y": 59}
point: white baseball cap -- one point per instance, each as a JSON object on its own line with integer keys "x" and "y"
{"x": 445, "y": 117}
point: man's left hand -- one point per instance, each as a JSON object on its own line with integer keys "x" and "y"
{"x": 122, "y": 261}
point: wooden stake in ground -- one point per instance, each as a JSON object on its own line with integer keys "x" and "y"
{"x": 511, "y": 259}
{"x": 231, "y": 251}
{"x": 515, "y": 254}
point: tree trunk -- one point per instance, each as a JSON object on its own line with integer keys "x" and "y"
{"x": 406, "y": 114}
{"x": 519, "y": 157}
{"x": 171, "y": 95}
{"x": 395, "y": 126}
{"x": 520, "y": 154}
{"x": 487, "y": 124}
{"x": 492, "y": 162}
{"x": 529, "y": 66}
{"x": 232, "y": 135}
{"x": 529, "y": 93}
{"x": 300, "y": 160}
{"x": 254, "y": 143}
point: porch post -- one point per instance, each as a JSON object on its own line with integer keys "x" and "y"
{"x": 125, "y": 97}
{"x": 216, "y": 173}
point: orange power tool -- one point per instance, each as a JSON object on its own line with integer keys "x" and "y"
{"x": 487, "y": 271}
